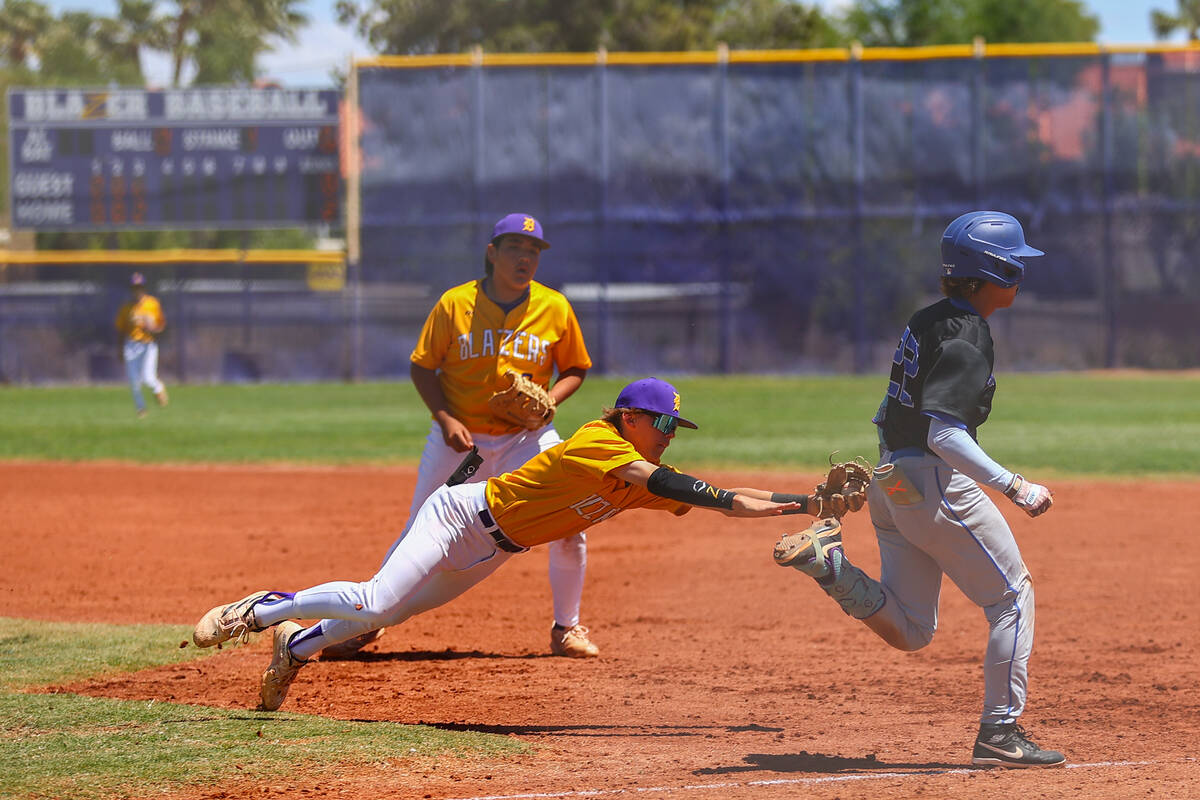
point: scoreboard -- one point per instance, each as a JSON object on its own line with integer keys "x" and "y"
{"x": 127, "y": 159}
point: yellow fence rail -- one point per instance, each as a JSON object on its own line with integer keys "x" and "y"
{"x": 959, "y": 51}
{"x": 173, "y": 256}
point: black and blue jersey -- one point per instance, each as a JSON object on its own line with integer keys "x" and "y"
{"x": 942, "y": 366}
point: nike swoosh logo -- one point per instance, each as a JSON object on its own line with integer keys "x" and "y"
{"x": 1014, "y": 753}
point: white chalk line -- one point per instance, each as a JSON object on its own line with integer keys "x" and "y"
{"x": 857, "y": 776}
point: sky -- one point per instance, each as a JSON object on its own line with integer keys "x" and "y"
{"x": 325, "y": 45}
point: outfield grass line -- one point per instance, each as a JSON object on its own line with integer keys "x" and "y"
{"x": 1048, "y": 424}
{"x": 855, "y": 776}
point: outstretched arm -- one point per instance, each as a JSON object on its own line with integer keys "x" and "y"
{"x": 698, "y": 492}
{"x": 808, "y": 504}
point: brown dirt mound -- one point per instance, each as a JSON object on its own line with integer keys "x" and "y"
{"x": 721, "y": 675}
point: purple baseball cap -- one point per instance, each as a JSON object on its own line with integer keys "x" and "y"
{"x": 522, "y": 225}
{"x": 651, "y": 394}
{"x": 137, "y": 279}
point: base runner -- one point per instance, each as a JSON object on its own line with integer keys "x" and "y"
{"x": 929, "y": 513}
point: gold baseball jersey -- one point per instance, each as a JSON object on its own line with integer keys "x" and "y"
{"x": 567, "y": 488}
{"x": 473, "y": 342}
{"x": 131, "y": 317}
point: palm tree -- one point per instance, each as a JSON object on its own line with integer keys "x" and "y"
{"x": 223, "y": 37}
{"x": 1187, "y": 19}
{"x": 22, "y": 24}
{"x": 137, "y": 28}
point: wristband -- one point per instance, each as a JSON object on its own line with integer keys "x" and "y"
{"x": 786, "y": 497}
{"x": 686, "y": 489}
{"x": 1015, "y": 486}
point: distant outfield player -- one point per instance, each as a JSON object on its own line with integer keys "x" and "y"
{"x": 139, "y": 323}
{"x": 463, "y": 533}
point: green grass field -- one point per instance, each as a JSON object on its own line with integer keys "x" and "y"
{"x": 1060, "y": 424}
{"x": 1080, "y": 425}
{"x": 64, "y": 745}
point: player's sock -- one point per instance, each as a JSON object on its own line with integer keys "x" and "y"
{"x": 837, "y": 563}
{"x": 857, "y": 593}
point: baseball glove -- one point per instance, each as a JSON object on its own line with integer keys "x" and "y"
{"x": 844, "y": 489}
{"x": 522, "y": 402}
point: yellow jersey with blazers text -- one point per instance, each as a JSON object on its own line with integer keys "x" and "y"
{"x": 566, "y": 489}
{"x": 473, "y": 342}
{"x": 134, "y": 318}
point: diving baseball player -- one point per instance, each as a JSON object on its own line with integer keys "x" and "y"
{"x": 474, "y": 336}
{"x": 463, "y": 533}
{"x": 929, "y": 513}
{"x": 138, "y": 324}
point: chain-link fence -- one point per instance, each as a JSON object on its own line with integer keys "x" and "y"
{"x": 741, "y": 212}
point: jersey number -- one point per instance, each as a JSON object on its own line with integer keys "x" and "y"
{"x": 904, "y": 368}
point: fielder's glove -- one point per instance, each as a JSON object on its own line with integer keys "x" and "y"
{"x": 844, "y": 489}
{"x": 522, "y": 402}
{"x": 1030, "y": 497}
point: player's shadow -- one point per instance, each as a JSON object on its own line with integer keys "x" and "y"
{"x": 820, "y": 763}
{"x": 623, "y": 731}
{"x": 380, "y": 657}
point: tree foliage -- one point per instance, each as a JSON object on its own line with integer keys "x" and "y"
{"x": 215, "y": 41}
{"x": 455, "y": 26}
{"x": 22, "y": 24}
{"x": 506, "y": 26}
{"x": 771, "y": 25}
{"x": 1042, "y": 21}
{"x": 903, "y": 23}
{"x": 1186, "y": 18}
{"x": 892, "y": 23}
{"x": 222, "y": 40}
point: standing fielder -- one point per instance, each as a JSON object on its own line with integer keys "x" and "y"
{"x": 930, "y": 515}
{"x": 473, "y": 335}
{"x": 463, "y": 533}
{"x": 138, "y": 324}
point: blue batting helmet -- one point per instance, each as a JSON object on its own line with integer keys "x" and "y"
{"x": 988, "y": 245}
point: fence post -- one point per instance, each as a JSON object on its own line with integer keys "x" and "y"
{"x": 856, "y": 217}
{"x": 352, "y": 168}
{"x": 1108, "y": 281}
{"x": 605, "y": 266}
{"x": 725, "y": 332}
{"x": 247, "y": 296}
{"x": 478, "y": 139}
{"x": 977, "y": 120}
{"x": 181, "y": 311}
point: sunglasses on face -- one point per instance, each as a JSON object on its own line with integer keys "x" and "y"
{"x": 663, "y": 422}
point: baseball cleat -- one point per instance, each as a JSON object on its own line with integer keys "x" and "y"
{"x": 1007, "y": 745}
{"x": 223, "y": 623}
{"x": 348, "y": 648}
{"x": 809, "y": 550}
{"x": 283, "y": 669}
{"x": 161, "y": 398}
{"x": 572, "y": 642}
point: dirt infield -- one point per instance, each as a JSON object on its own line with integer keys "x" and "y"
{"x": 721, "y": 676}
